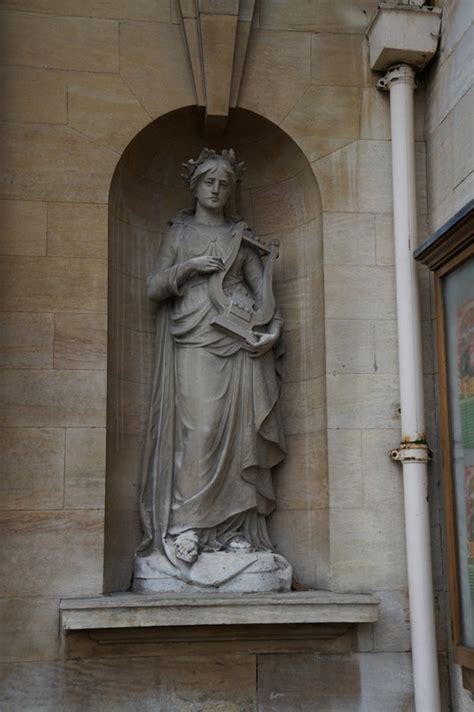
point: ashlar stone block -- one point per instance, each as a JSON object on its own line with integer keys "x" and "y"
{"x": 349, "y": 292}
{"x": 77, "y": 230}
{"x": 44, "y": 398}
{"x": 42, "y": 40}
{"x": 152, "y": 10}
{"x": 303, "y": 538}
{"x": 80, "y": 341}
{"x": 349, "y": 238}
{"x": 324, "y": 120}
{"x": 29, "y": 629}
{"x": 301, "y": 479}
{"x": 303, "y": 406}
{"x": 26, "y": 340}
{"x": 38, "y": 284}
{"x": 350, "y": 346}
{"x": 154, "y": 62}
{"x": 43, "y": 162}
{"x": 345, "y": 468}
{"x": 22, "y": 227}
{"x": 31, "y": 94}
{"x": 363, "y": 401}
{"x": 322, "y": 16}
{"x": 338, "y": 59}
{"x": 277, "y": 55}
{"x": 367, "y": 549}
{"x": 103, "y": 107}
{"x": 51, "y": 553}
{"x": 32, "y": 468}
{"x": 85, "y": 468}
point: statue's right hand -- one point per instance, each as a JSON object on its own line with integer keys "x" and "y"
{"x": 205, "y": 264}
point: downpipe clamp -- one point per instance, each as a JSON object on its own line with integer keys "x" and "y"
{"x": 411, "y": 451}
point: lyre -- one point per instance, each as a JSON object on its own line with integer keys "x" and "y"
{"x": 235, "y": 317}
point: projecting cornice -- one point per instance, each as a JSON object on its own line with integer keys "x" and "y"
{"x": 217, "y": 33}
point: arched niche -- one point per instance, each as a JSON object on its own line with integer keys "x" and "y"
{"x": 278, "y": 197}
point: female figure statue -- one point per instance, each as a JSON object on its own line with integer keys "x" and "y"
{"x": 214, "y": 430}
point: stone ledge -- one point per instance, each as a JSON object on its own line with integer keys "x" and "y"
{"x": 128, "y": 610}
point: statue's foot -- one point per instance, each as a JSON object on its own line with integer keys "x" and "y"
{"x": 239, "y": 544}
{"x": 186, "y": 546}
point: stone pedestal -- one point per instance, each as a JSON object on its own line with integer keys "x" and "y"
{"x": 254, "y": 572}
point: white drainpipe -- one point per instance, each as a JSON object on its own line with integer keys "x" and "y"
{"x": 413, "y": 452}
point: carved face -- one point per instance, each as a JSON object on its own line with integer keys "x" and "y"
{"x": 214, "y": 188}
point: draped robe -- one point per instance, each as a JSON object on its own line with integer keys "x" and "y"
{"x": 214, "y": 428}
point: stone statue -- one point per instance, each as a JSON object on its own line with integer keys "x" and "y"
{"x": 214, "y": 430}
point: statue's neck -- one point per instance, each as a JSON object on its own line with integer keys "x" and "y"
{"x": 206, "y": 216}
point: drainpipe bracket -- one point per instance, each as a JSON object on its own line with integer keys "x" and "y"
{"x": 397, "y": 73}
{"x": 411, "y": 451}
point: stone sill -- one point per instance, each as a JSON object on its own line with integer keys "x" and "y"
{"x": 128, "y": 610}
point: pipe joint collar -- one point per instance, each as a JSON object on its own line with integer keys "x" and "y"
{"x": 399, "y": 73}
{"x": 411, "y": 451}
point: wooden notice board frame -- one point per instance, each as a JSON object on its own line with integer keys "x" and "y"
{"x": 444, "y": 252}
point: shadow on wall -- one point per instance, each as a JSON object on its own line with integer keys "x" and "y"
{"x": 278, "y": 197}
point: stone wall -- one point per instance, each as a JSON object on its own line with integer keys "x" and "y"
{"x": 450, "y": 169}
{"x": 80, "y": 79}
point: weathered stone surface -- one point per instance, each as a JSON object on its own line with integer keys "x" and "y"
{"x": 39, "y": 284}
{"x": 362, "y": 683}
{"x": 278, "y": 206}
{"x": 301, "y": 300}
{"x": 276, "y": 55}
{"x": 59, "y": 42}
{"x": 346, "y": 488}
{"x": 451, "y": 80}
{"x": 33, "y": 95}
{"x": 350, "y": 346}
{"x": 303, "y": 406}
{"x": 392, "y": 630}
{"x": 23, "y": 228}
{"x": 382, "y": 477}
{"x": 363, "y": 401}
{"x": 26, "y": 340}
{"x": 301, "y": 479}
{"x": 450, "y": 148}
{"x": 324, "y": 120}
{"x": 85, "y": 468}
{"x": 104, "y": 108}
{"x": 321, "y": 16}
{"x": 220, "y": 683}
{"x": 77, "y": 230}
{"x": 386, "y": 346}
{"x": 32, "y": 468}
{"x": 304, "y": 353}
{"x": 154, "y": 10}
{"x": 303, "y": 537}
{"x": 52, "y": 398}
{"x": 350, "y": 292}
{"x": 29, "y": 629}
{"x": 367, "y": 549}
{"x": 338, "y": 60}
{"x": 51, "y": 553}
{"x": 356, "y": 178}
{"x": 153, "y": 61}
{"x": 349, "y": 238}
{"x": 41, "y": 162}
{"x": 80, "y": 341}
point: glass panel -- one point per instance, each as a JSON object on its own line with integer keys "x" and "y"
{"x": 458, "y": 292}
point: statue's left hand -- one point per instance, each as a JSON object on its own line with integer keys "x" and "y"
{"x": 264, "y": 344}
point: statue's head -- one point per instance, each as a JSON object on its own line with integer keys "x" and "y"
{"x": 212, "y": 176}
